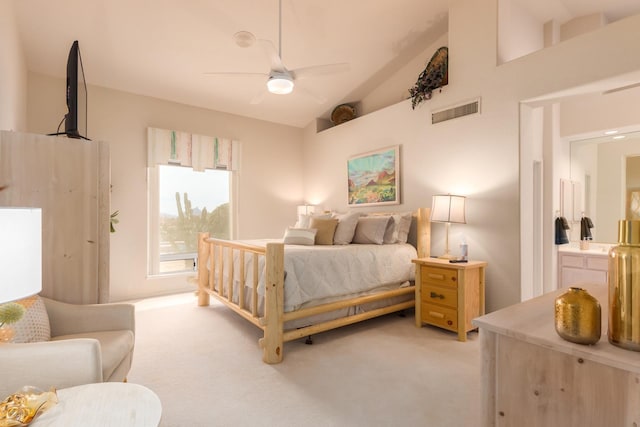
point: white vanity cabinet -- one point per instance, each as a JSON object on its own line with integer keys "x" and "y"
{"x": 577, "y": 267}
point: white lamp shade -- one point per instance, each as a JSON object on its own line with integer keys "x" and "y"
{"x": 448, "y": 208}
{"x": 20, "y": 253}
{"x": 306, "y": 209}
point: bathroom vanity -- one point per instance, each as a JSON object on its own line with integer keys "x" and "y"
{"x": 578, "y": 266}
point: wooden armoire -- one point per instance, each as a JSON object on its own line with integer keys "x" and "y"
{"x": 69, "y": 179}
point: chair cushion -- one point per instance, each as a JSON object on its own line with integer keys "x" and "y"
{"x": 34, "y": 325}
{"x": 115, "y": 346}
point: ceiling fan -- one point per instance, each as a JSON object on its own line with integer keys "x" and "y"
{"x": 280, "y": 80}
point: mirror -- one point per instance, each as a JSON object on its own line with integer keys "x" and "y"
{"x": 608, "y": 170}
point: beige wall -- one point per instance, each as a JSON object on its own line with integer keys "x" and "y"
{"x": 13, "y": 73}
{"x": 269, "y": 183}
{"x": 477, "y": 156}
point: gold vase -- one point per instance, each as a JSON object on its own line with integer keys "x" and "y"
{"x": 578, "y": 316}
{"x": 624, "y": 287}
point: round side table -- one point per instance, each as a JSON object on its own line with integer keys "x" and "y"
{"x": 103, "y": 404}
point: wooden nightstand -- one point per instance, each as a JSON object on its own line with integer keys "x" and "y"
{"x": 449, "y": 295}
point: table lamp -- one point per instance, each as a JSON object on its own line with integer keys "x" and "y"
{"x": 20, "y": 259}
{"x": 448, "y": 209}
{"x": 306, "y": 209}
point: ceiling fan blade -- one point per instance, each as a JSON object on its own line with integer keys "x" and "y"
{"x": 317, "y": 98}
{"x": 233, "y": 73}
{"x": 258, "y": 98}
{"x": 318, "y": 70}
{"x": 272, "y": 56}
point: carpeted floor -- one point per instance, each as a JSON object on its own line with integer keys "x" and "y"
{"x": 205, "y": 365}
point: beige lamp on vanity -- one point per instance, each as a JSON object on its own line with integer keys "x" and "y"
{"x": 449, "y": 209}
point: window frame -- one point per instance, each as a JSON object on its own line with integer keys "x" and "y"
{"x": 154, "y": 258}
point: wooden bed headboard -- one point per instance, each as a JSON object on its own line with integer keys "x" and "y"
{"x": 420, "y": 232}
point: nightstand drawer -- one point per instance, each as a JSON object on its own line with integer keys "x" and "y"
{"x": 440, "y": 316}
{"x": 439, "y": 276}
{"x": 440, "y": 295}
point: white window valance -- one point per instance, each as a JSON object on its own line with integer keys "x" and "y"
{"x": 170, "y": 147}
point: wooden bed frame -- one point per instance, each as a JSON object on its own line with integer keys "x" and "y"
{"x": 272, "y": 322}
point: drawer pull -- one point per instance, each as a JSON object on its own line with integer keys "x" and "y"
{"x": 436, "y": 276}
{"x": 436, "y": 314}
{"x": 435, "y": 295}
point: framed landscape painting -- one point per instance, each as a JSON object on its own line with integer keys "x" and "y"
{"x": 374, "y": 177}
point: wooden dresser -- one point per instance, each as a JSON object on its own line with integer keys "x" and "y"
{"x": 532, "y": 377}
{"x": 449, "y": 295}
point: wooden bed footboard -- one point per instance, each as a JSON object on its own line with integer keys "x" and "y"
{"x": 212, "y": 270}
{"x": 217, "y": 274}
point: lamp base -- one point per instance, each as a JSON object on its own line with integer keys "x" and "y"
{"x": 446, "y": 256}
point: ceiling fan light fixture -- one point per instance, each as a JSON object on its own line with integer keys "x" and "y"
{"x": 280, "y": 84}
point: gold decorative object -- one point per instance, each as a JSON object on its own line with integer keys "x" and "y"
{"x": 624, "y": 287}
{"x": 578, "y": 316}
{"x": 20, "y": 408}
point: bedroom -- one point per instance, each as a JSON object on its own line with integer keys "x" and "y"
{"x": 306, "y": 160}
{"x": 477, "y": 156}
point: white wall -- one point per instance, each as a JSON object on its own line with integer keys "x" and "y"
{"x": 611, "y": 185}
{"x": 269, "y": 181}
{"x": 13, "y": 73}
{"x": 519, "y": 33}
{"x": 581, "y": 25}
{"x": 396, "y": 87}
{"x": 564, "y": 70}
{"x": 478, "y": 155}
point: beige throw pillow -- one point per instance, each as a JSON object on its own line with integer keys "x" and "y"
{"x": 346, "y": 228}
{"x": 370, "y": 230}
{"x": 34, "y": 325}
{"x": 326, "y": 229}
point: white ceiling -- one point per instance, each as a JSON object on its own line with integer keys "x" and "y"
{"x": 162, "y": 48}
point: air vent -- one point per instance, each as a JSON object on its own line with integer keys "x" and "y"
{"x": 455, "y": 112}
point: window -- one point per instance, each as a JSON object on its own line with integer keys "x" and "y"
{"x": 184, "y": 202}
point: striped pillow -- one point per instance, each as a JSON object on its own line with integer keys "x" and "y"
{"x": 300, "y": 236}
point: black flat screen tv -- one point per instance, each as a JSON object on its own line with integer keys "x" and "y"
{"x": 75, "y": 121}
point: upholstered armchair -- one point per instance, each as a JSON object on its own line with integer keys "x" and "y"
{"x": 89, "y": 344}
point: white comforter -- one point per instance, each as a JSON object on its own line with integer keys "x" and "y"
{"x": 318, "y": 272}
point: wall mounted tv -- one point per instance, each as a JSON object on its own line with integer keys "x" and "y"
{"x": 75, "y": 121}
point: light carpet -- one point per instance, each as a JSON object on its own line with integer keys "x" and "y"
{"x": 206, "y": 366}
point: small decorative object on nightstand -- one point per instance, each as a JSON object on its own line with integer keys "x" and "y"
{"x": 449, "y": 295}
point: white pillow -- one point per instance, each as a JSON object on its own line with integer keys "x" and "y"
{"x": 398, "y": 228}
{"x": 300, "y": 236}
{"x": 346, "y": 228}
{"x": 403, "y": 225}
{"x": 34, "y": 324}
{"x": 370, "y": 229}
{"x": 304, "y": 220}
{"x": 391, "y": 232}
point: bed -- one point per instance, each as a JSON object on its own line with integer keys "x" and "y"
{"x": 259, "y": 280}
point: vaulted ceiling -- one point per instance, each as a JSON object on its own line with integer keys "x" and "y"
{"x": 163, "y": 48}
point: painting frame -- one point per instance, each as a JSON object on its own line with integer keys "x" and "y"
{"x": 373, "y": 178}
